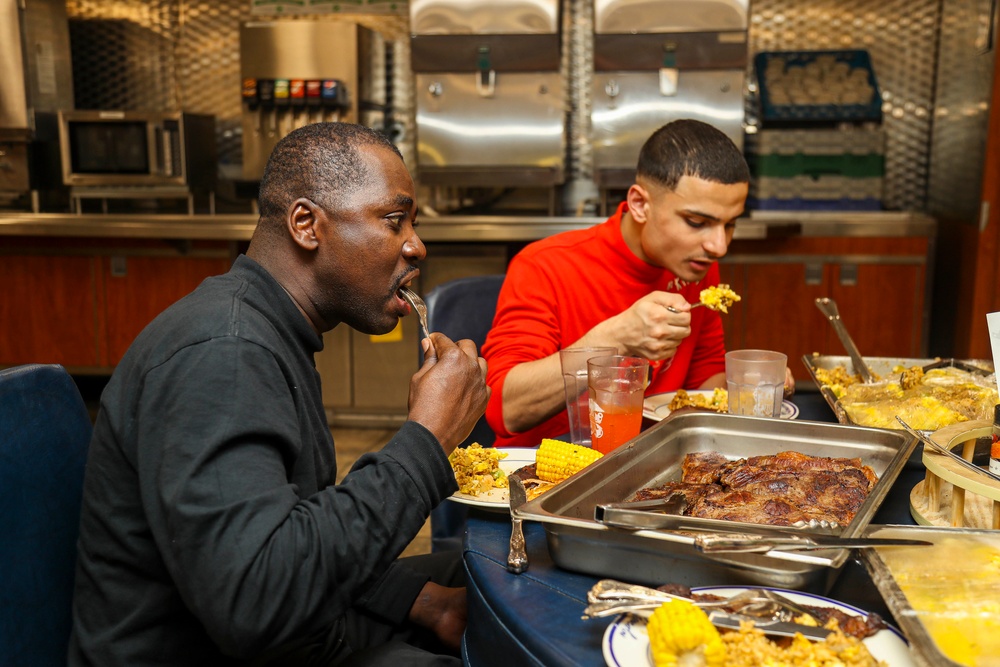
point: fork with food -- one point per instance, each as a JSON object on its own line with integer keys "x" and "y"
{"x": 716, "y": 297}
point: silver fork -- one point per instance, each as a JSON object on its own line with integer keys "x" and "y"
{"x": 418, "y": 306}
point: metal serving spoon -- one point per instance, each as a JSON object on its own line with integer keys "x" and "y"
{"x": 828, "y": 307}
{"x": 419, "y": 307}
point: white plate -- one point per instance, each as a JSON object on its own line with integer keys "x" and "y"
{"x": 626, "y": 643}
{"x": 499, "y": 499}
{"x": 657, "y": 407}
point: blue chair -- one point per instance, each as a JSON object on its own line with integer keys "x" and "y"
{"x": 44, "y": 436}
{"x": 461, "y": 308}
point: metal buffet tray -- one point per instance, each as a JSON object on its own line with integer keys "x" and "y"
{"x": 882, "y": 366}
{"x": 880, "y": 565}
{"x": 578, "y": 542}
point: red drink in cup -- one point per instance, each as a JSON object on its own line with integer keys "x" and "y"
{"x": 616, "y": 386}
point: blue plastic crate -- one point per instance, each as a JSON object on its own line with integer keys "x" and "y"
{"x": 805, "y": 87}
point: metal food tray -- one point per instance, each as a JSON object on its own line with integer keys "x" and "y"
{"x": 924, "y": 649}
{"x": 578, "y": 542}
{"x": 882, "y": 366}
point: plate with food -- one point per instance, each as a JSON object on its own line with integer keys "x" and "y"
{"x": 659, "y": 406}
{"x": 626, "y": 641}
{"x": 482, "y": 472}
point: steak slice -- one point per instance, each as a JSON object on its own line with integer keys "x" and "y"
{"x": 787, "y": 498}
{"x": 692, "y": 492}
{"x": 703, "y": 467}
{"x": 744, "y": 471}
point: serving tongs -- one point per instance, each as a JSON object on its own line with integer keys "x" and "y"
{"x": 770, "y": 612}
{"x": 941, "y": 449}
{"x": 667, "y": 514}
{"x": 763, "y": 544}
{"x": 828, "y": 307}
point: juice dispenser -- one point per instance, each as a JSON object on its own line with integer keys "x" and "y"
{"x": 659, "y": 61}
{"x": 489, "y": 93}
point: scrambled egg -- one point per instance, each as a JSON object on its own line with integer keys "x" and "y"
{"x": 718, "y": 401}
{"x": 719, "y": 297}
{"x": 477, "y": 469}
{"x": 951, "y": 588}
{"x": 926, "y": 401}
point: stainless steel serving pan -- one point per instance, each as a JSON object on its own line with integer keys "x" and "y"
{"x": 883, "y": 366}
{"x": 924, "y": 648}
{"x": 578, "y": 542}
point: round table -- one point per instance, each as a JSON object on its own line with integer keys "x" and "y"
{"x": 534, "y": 618}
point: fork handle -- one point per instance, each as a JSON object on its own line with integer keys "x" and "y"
{"x": 517, "y": 558}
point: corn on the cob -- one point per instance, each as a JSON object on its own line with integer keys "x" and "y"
{"x": 680, "y": 635}
{"x": 556, "y": 460}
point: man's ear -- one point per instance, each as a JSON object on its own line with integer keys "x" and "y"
{"x": 638, "y": 203}
{"x": 302, "y": 223}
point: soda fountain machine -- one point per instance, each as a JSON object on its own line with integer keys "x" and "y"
{"x": 657, "y": 61}
{"x": 36, "y": 81}
{"x": 490, "y": 106}
{"x": 295, "y": 73}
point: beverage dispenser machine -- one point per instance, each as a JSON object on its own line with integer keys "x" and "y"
{"x": 295, "y": 73}
{"x": 36, "y": 81}
{"x": 490, "y": 108}
{"x": 657, "y": 61}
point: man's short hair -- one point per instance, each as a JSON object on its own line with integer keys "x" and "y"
{"x": 691, "y": 148}
{"x": 321, "y": 161}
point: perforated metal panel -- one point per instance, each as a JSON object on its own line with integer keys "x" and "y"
{"x": 901, "y": 36}
{"x": 965, "y": 81}
{"x": 166, "y": 54}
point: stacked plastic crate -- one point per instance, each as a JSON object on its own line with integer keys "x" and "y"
{"x": 820, "y": 145}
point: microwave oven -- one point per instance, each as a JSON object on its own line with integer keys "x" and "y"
{"x": 137, "y": 148}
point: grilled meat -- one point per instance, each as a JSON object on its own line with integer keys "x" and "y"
{"x": 780, "y": 490}
{"x": 744, "y": 471}
{"x": 703, "y": 467}
{"x": 692, "y": 492}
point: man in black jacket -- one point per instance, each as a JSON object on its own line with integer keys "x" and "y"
{"x": 212, "y": 530}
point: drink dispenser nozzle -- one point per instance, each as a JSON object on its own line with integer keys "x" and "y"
{"x": 282, "y": 102}
{"x": 486, "y": 77}
{"x": 265, "y": 96}
{"x": 313, "y": 102}
{"x": 297, "y": 100}
{"x": 252, "y": 101}
{"x": 669, "y": 72}
{"x": 334, "y": 98}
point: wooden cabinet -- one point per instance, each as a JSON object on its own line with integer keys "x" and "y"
{"x": 49, "y": 310}
{"x": 879, "y": 285}
{"x": 80, "y": 303}
{"x": 137, "y": 288}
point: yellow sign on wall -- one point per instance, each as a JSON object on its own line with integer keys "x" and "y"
{"x": 394, "y": 336}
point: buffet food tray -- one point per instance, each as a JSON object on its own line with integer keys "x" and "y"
{"x": 882, "y": 366}
{"x": 958, "y": 591}
{"x": 578, "y": 542}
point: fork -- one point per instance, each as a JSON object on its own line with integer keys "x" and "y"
{"x": 418, "y": 306}
{"x": 693, "y": 306}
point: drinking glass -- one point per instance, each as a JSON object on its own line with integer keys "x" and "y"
{"x": 574, "y": 373}
{"x": 616, "y": 385}
{"x": 756, "y": 382}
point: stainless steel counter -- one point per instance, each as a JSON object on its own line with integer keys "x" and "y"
{"x": 486, "y": 229}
